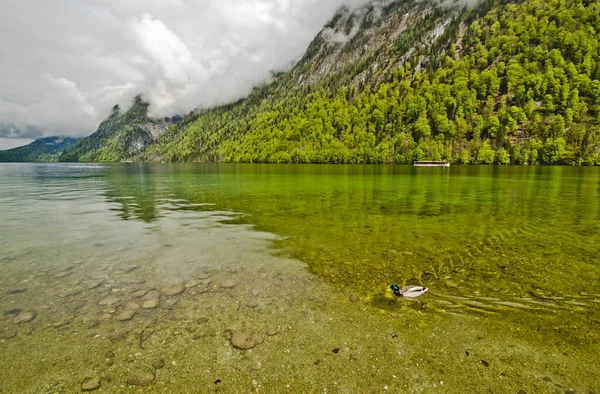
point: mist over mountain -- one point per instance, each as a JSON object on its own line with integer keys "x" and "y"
{"x": 76, "y": 60}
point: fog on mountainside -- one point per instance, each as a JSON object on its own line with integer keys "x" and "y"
{"x": 72, "y": 61}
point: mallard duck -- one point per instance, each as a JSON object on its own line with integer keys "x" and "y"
{"x": 408, "y": 291}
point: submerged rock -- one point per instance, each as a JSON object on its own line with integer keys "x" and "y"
{"x": 158, "y": 364}
{"x": 202, "y": 275}
{"x": 151, "y": 295}
{"x": 228, "y": 283}
{"x": 132, "y": 306}
{"x": 174, "y": 290}
{"x": 10, "y": 332}
{"x": 141, "y": 379}
{"x": 24, "y": 317}
{"x": 150, "y": 304}
{"x": 92, "y": 284}
{"x": 244, "y": 341}
{"x": 61, "y": 323}
{"x": 127, "y": 312}
{"x": 130, "y": 268}
{"x": 16, "y": 291}
{"x": 110, "y": 300}
{"x": 90, "y": 384}
{"x": 138, "y": 293}
{"x": 62, "y": 274}
{"x": 193, "y": 283}
{"x": 272, "y": 331}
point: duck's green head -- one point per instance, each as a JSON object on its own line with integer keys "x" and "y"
{"x": 394, "y": 288}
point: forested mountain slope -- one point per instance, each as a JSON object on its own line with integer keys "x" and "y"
{"x": 46, "y": 149}
{"x": 400, "y": 81}
{"x": 119, "y": 137}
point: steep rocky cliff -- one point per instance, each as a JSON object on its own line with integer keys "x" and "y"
{"x": 119, "y": 137}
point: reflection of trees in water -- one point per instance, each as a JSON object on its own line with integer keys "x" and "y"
{"x": 360, "y": 225}
{"x": 133, "y": 188}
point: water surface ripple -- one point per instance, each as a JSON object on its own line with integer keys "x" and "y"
{"x": 267, "y": 278}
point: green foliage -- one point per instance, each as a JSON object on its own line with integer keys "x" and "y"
{"x": 553, "y": 150}
{"x": 486, "y": 155}
{"x": 120, "y": 137}
{"x": 502, "y": 156}
{"x": 46, "y": 149}
{"x": 519, "y": 85}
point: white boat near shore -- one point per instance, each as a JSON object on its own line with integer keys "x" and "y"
{"x": 443, "y": 163}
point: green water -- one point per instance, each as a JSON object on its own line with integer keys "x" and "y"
{"x": 509, "y": 255}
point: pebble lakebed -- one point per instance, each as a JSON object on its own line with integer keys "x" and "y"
{"x": 237, "y": 317}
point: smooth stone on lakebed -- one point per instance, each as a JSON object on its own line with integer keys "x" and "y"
{"x": 10, "y": 332}
{"x": 158, "y": 364}
{"x": 244, "y": 341}
{"x": 138, "y": 293}
{"x": 126, "y": 314}
{"x": 141, "y": 379}
{"x": 193, "y": 283}
{"x": 151, "y": 295}
{"x": 174, "y": 290}
{"x": 202, "y": 275}
{"x": 65, "y": 272}
{"x": 150, "y": 304}
{"x": 24, "y": 317}
{"x": 272, "y": 331}
{"x": 228, "y": 284}
{"x": 110, "y": 300}
{"x": 92, "y": 284}
{"x": 132, "y": 306}
{"x": 90, "y": 384}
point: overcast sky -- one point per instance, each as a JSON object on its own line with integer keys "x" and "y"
{"x": 65, "y": 63}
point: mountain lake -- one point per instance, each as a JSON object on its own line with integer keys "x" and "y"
{"x": 199, "y": 278}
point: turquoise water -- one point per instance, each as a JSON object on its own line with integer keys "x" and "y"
{"x": 509, "y": 255}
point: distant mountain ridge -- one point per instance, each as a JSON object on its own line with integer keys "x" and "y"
{"x": 393, "y": 81}
{"x": 47, "y": 149}
{"x": 120, "y": 137}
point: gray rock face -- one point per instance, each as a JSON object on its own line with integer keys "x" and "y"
{"x": 174, "y": 290}
{"x": 141, "y": 379}
{"x": 24, "y": 317}
{"x": 244, "y": 341}
{"x": 90, "y": 384}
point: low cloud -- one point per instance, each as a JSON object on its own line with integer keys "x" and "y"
{"x": 13, "y": 131}
{"x": 71, "y": 61}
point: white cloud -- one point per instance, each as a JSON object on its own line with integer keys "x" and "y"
{"x": 71, "y": 61}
